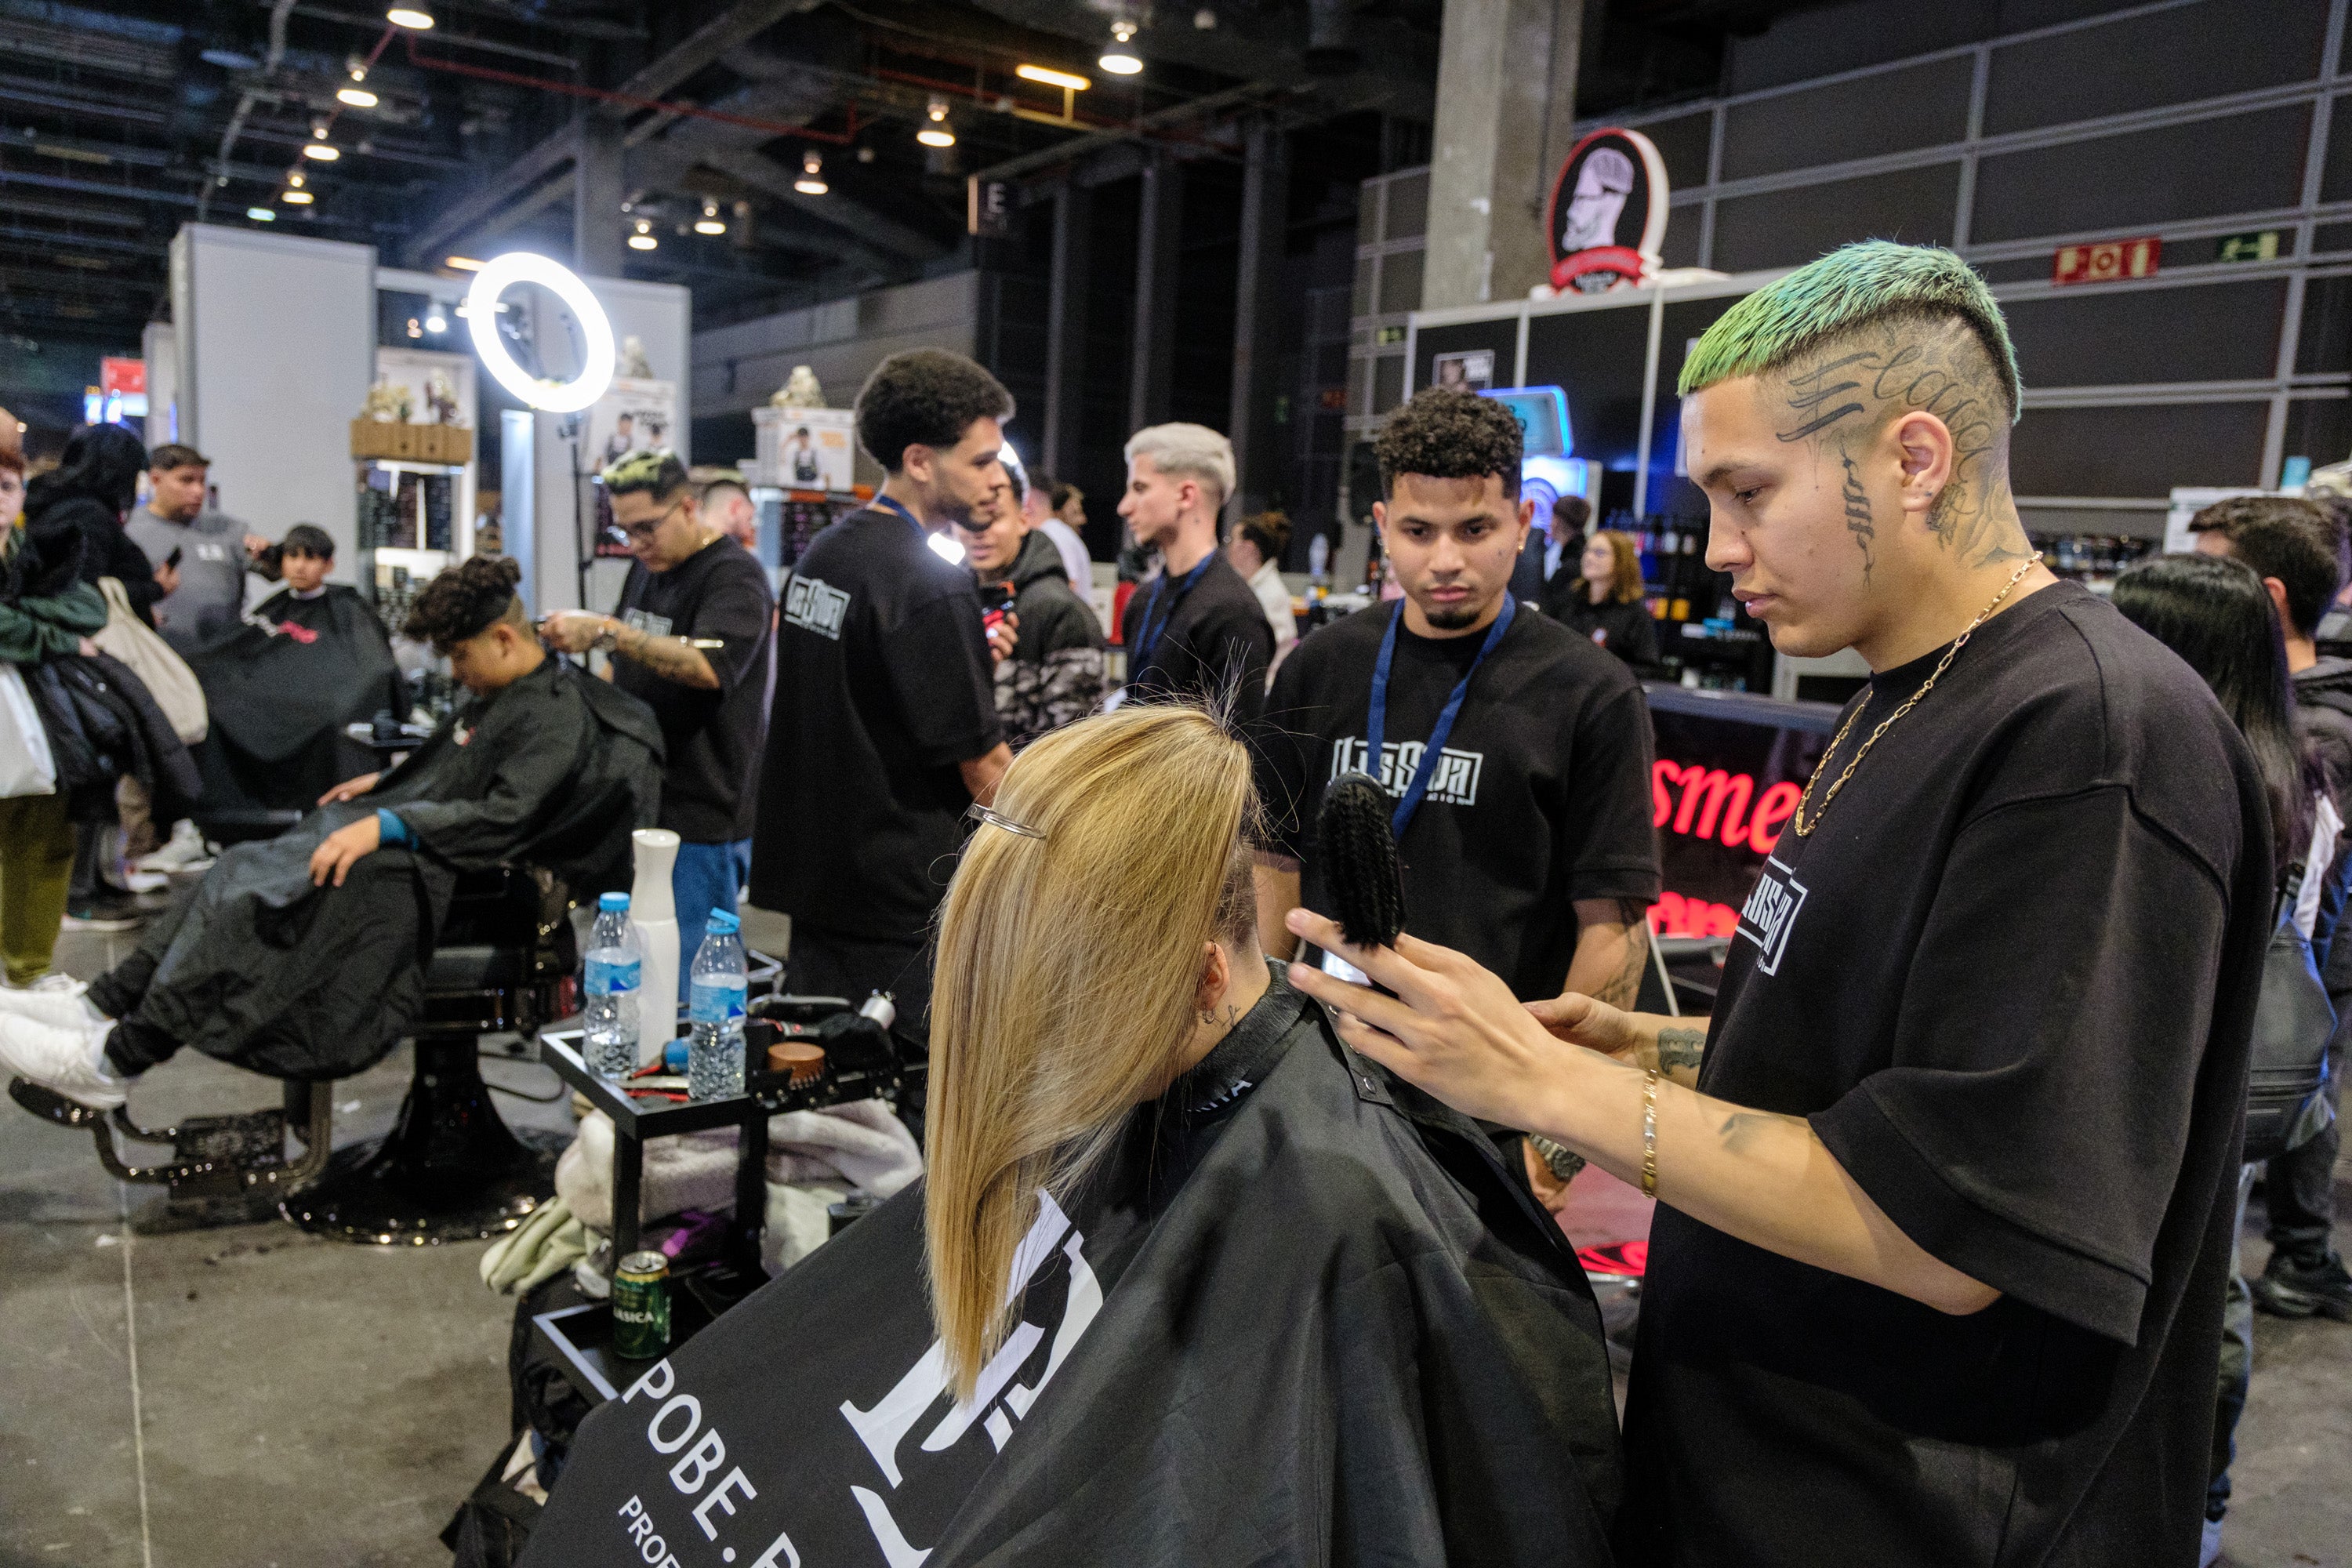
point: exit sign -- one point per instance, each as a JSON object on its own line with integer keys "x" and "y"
{"x": 2262, "y": 247}
{"x": 2109, "y": 261}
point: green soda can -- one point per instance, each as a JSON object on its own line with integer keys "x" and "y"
{"x": 640, "y": 1305}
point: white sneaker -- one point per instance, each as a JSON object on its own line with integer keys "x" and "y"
{"x": 146, "y": 881}
{"x": 71, "y": 1061}
{"x": 185, "y": 846}
{"x": 53, "y": 999}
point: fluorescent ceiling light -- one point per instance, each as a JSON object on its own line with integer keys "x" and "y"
{"x": 409, "y": 16}
{"x": 357, "y": 97}
{"x": 1118, "y": 62}
{"x": 1052, "y": 77}
{"x": 595, "y": 331}
{"x": 296, "y": 198}
{"x": 321, "y": 151}
{"x": 644, "y": 242}
{"x": 463, "y": 264}
{"x": 262, "y": 215}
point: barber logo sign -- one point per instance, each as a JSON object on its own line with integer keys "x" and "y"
{"x": 814, "y": 605}
{"x": 1608, "y": 213}
{"x": 1770, "y": 913}
{"x": 1453, "y": 781}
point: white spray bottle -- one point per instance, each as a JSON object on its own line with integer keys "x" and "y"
{"x": 654, "y": 911}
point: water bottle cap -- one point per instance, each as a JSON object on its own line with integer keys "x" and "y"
{"x": 723, "y": 923}
{"x": 613, "y": 903}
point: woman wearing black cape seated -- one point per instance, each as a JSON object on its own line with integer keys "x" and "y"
{"x": 1186, "y": 1284}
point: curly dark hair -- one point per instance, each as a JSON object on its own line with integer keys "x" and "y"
{"x": 926, "y": 395}
{"x": 466, "y": 600}
{"x": 1449, "y": 434}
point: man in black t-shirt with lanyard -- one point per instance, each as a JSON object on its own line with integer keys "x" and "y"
{"x": 1519, "y": 752}
{"x": 884, "y": 732}
{"x": 1196, "y": 631}
{"x": 1945, "y": 1187}
{"x": 689, "y": 637}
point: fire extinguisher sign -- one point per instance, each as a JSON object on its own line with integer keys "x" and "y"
{"x": 2109, "y": 261}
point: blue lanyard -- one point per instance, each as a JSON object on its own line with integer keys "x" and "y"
{"x": 888, "y": 503}
{"x": 1146, "y": 636}
{"x": 1376, "y": 725}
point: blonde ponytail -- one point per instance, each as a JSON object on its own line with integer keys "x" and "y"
{"x": 1068, "y": 968}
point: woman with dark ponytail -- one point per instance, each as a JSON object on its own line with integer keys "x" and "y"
{"x": 544, "y": 765}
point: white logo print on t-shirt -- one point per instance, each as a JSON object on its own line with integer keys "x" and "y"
{"x": 814, "y": 605}
{"x": 1453, "y": 781}
{"x": 1771, "y": 912}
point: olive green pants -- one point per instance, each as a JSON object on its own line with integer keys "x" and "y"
{"x": 37, "y": 853}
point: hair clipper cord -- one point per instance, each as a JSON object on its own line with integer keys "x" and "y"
{"x": 1358, "y": 853}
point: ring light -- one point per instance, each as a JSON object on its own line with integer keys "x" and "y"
{"x": 482, "y": 318}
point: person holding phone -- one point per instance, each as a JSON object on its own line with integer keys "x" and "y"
{"x": 1054, "y": 674}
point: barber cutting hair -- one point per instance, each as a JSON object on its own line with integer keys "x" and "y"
{"x": 1938, "y": 1262}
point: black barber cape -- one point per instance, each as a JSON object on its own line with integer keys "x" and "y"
{"x": 280, "y": 685}
{"x": 1301, "y": 1317}
{"x": 262, "y": 969}
{"x": 2010, "y": 979}
{"x": 1541, "y": 797}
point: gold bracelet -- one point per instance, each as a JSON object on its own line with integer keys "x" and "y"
{"x": 1649, "y": 1135}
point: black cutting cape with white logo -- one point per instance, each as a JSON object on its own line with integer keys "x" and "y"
{"x": 1300, "y": 1317}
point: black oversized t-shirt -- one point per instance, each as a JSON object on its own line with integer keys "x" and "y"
{"x": 883, "y": 686}
{"x": 1541, "y": 797}
{"x": 1215, "y": 639}
{"x": 712, "y": 737}
{"x": 2009, "y": 979}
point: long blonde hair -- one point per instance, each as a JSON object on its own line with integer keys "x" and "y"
{"x": 1068, "y": 970}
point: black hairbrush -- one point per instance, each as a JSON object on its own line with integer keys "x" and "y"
{"x": 1358, "y": 853}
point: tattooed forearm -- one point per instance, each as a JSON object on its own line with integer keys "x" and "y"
{"x": 1742, "y": 1125}
{"x": 1680, "y": 1049}
{"x": 1626, "y": 983}
{"x": 1857, "y": 512}
{"x": 670, "y": 657}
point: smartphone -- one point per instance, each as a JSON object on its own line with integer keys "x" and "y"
{"x": 995, "y": 601}
{"x": 173, "y": 560}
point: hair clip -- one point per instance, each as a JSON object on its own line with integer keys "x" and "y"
{"x": 998, "y": 819}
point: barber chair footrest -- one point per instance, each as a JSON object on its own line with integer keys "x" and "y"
{"x": 213, "y": 1158}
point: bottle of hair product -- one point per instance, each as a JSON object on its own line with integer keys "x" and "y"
{"x": 609, "y": 987}
{"x": 654, "y": 912}
{"x": 715, "y": 1011}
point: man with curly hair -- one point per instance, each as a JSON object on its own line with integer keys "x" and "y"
{"x": 1945, "y": 1181}
{"x": 885, "y": 730}
{"x": 303, "y": 956}
{"x": 1519, "y": 753}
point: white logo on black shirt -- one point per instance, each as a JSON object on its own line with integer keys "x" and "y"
{"x": 814, "y": 604}
{"x": 1771, "y": 912}
{"x": 1453, "y": 781}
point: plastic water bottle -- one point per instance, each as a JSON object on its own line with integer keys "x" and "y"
{"x": 609, "y": 1000}
{"x": 716, "y": 988}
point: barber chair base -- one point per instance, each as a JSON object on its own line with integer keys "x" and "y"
{"x": 450, "y": 1170}
{"x": 224, "y": 1170}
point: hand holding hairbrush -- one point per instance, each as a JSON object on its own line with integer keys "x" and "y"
{"x": 1358, "y": 855}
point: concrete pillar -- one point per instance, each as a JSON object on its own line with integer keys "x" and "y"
{"x": 1066, "y": 330}
{"x": 597, "y": 227}
{"x": 1506, "y": 104}
{"x": 1266, "y": 196}
{"x": 1153, "y": 369}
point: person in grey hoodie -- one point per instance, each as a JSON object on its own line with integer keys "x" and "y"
{"x": 1054, "y": 674}
{"x": 204, "y": 592}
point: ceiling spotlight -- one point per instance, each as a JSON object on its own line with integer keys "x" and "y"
{"x": 296, "y": 198}
{"x": 1119, "y": 59}
{"x": 294, "y": 178}
{"x": 357, "y": 97}
{"x": 413, "y": 329}
{"x": 812, "y": 180}
{"x": 1053, "y": 77}
{"x": 436, "y": 321}
{"x": 262, "y": 215}
{"x": 709, "y": 222}
{"x": 321, "y": 151}
{"x": 356, "y": 65}
{"x": 865, "y": 154}
{"x": 935, "y": 133}
{"x": 409, "y": 16}
{"x": 644, "y": 238}
{"x": 1204, "y": 19}
{"x": 461, "y": 263}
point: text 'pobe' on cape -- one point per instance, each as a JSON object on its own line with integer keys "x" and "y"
{"x": 1302, "y": 1317}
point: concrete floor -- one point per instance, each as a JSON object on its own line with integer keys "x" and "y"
{"x": 247, "y": 1395}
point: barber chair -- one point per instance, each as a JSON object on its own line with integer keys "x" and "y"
{"x": 451, "y": 1169}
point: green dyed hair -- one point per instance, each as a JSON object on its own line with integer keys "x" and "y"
{"x": 1850, "y": 288}
{"x": 656, "y": 472}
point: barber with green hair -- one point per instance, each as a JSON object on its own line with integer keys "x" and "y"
{"x": 1944, "y": 1196}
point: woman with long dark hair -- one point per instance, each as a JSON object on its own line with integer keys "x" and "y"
{"x": 2215, "y": 613}
{"x": 93, "y": 486}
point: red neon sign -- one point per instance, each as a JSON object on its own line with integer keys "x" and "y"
{"x": 1714, "y": 803}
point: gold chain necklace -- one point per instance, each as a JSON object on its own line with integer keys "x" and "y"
{"x": 1804, "y": 830}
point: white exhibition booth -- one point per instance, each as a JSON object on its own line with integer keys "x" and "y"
{"x": 274, "y": 344}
